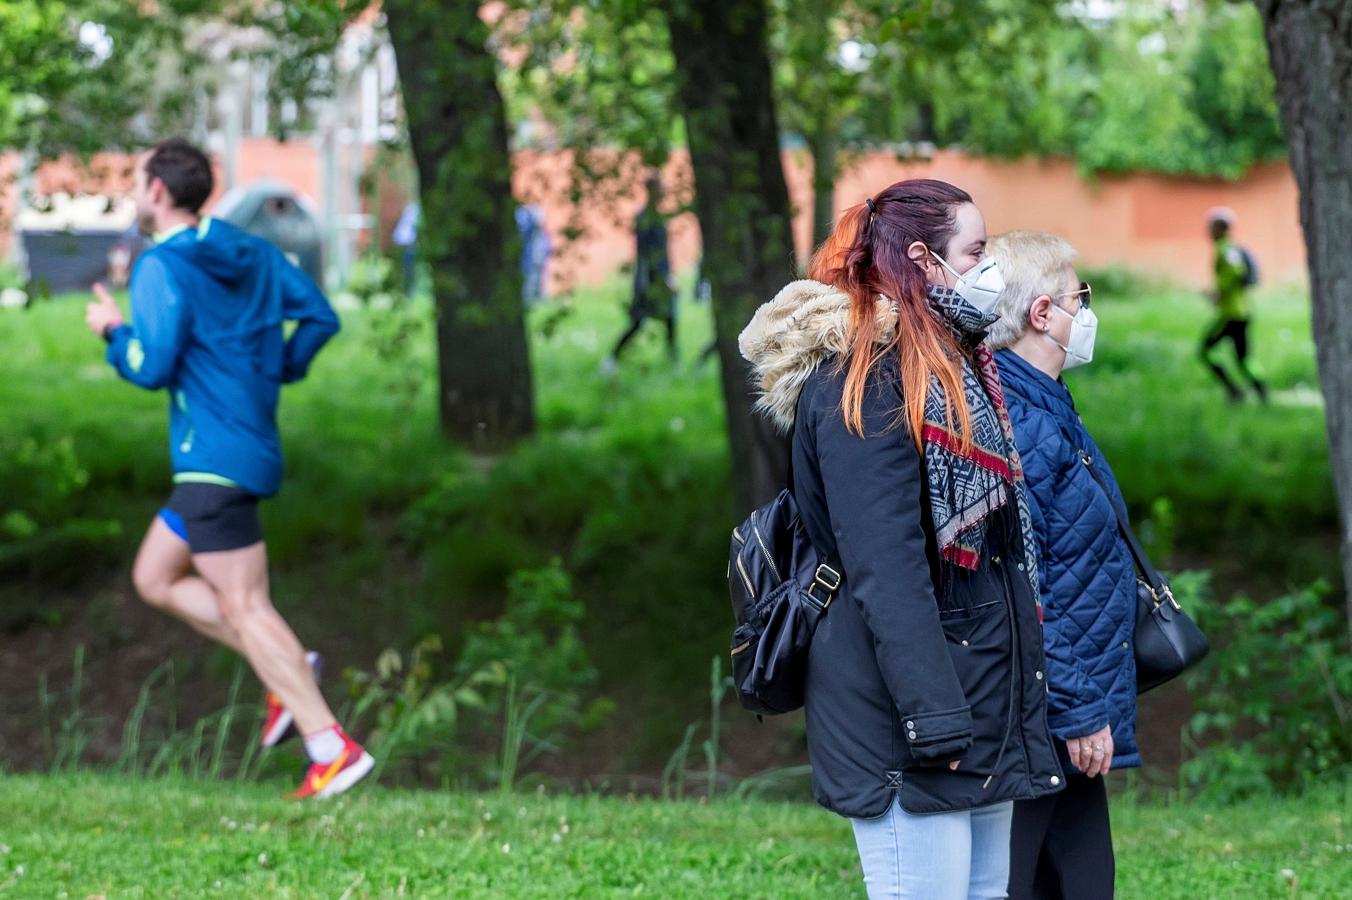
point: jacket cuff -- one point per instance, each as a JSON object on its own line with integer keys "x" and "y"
{"x": 1078, "y": 721}
{"x": 110, "y": 335}
{"x": 938, "y": 735}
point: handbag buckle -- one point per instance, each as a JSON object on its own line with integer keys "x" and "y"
{"x": 1169, "y": 595}
{"x": 829, "y": 580}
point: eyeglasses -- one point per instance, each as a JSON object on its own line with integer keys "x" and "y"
{"x": 1085, "y": 293}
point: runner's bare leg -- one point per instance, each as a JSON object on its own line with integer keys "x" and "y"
{"x": 164, "y": 578}
{"x": 240, "y": 580}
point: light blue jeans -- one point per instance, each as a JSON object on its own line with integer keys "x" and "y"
{"x": 942, "y": 856}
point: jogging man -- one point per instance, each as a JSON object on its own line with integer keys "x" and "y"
{"x": 654, "y": 287}
{"x": 1235, "y": 274}
{"x": 209, "y": 302}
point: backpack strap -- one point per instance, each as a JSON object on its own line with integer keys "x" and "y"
{"x": 828, "y": 577}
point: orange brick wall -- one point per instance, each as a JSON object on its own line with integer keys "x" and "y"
{"x": 1152, "y": 223}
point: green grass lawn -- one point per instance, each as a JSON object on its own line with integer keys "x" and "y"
{"x": 86, "y": 836}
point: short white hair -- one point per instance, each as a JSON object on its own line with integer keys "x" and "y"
{"x": 1033, "y": 263}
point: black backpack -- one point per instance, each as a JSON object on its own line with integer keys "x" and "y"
{"x": 1250, "y": 267}
{"x": 780, "y": 590}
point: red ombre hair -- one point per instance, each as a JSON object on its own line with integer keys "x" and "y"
{"x": 866, "y": 255}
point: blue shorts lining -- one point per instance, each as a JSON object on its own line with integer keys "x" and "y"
{"x": 175, "y": 523}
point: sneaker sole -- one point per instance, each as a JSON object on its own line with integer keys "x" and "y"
{"x": 285, "y": 727}
{"x": 285, "y": 723}
{"x": 349, "y": 776}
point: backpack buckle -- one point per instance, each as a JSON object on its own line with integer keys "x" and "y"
{"x": 829, "y": 581}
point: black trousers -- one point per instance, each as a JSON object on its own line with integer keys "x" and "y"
{"x": 636, "y": 322}
{"x": 1061, "y": 847}
{"x": 1236, "y": 331}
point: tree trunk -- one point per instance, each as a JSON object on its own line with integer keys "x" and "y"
{"x": 1310, "y": 49}
{"x": 467, "y": 235}
{"x": 725, "y": 92}
{"x": 825, "y": 167}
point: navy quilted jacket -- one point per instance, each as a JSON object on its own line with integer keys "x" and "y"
{"x": 1088, "y": 579}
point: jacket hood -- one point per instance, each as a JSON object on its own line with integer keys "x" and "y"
{"x": 224, "y": 252}
{"x": 790, "y": 336}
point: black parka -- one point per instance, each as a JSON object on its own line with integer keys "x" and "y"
{"x": 918, "y": 662}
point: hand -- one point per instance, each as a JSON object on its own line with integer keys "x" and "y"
{"x": 1092, "y": 754}
{"x": 103, "y": 312}
{"x": 953, "y": 766}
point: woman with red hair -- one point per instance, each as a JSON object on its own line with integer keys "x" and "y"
{"x": 925, "y": 691}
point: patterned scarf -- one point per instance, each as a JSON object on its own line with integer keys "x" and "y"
{"x": 966, "y": 486}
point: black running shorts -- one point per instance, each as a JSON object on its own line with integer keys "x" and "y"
{"x": 213, "y": 517}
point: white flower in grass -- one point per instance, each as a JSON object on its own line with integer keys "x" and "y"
{"x": 506, "y": 848}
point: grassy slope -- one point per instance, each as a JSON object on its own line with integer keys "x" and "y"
{"x": 82, "y": 836}
{"x": 384, "y": 533}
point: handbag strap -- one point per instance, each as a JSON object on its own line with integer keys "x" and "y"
{"x": 1158, "y": 585}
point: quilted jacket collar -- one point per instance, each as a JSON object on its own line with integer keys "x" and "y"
{"x": 1034, "y": 386}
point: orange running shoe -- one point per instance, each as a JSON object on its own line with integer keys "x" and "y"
{"x": 331, "y": 779}
{"x": 279, "y": 725}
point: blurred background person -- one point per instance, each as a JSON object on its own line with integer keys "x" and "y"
{"x": 405, "y": 237}
{"x": 1235, "y": 272}
{"x": 1062, "y": 843}
{"x": 654, "y": 286}
{"x": 535, "y": 251}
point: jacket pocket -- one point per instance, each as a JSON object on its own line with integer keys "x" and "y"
{"x": 980, "y": 645}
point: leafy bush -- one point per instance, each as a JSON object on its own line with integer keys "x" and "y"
{"x": 518, "y": 690}
{"x": 40, "y": 483}
{"x": 1274, "y": 701}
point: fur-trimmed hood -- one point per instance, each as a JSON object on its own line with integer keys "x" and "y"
{"x": 791, "y": 335}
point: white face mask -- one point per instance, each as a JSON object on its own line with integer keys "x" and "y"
{"x": 980, "y": 285}
{"x": 1083, "y": 331}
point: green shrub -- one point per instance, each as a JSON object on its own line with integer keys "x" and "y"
{"x": 41, "y": 481}
{"x": 1274, "y": 701}
{"x": 519, "y": 689}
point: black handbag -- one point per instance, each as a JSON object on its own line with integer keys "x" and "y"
{"x": 1167, "y": 641}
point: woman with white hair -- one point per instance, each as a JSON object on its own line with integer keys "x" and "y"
{"x": 1062, "y": 844}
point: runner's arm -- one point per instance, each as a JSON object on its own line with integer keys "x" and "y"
{"x": 305, "y": 304}
{"x": 146, "y": 352}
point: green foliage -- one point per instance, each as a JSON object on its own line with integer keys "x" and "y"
{"x": 1153, "y": 87}
{"x": 90, "y": 75}
{"x": 549, "y": 672}
{"x": 409, "y": 714}
{"x": 519, "y": 688}
{"x": 1274, "y": 701}
{"x": 1200, "y": 99}
{"x": 42, "y": 481}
